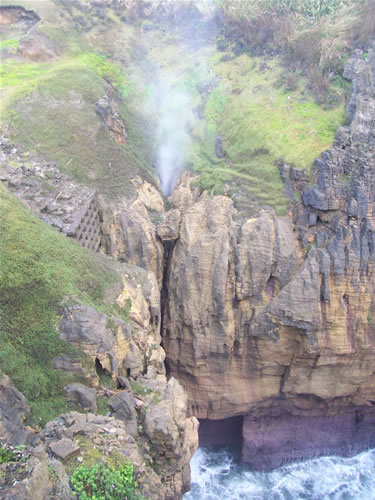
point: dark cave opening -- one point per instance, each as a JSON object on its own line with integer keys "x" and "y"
{"x": 100, "y": 371}
{"x": 226, "y": 432}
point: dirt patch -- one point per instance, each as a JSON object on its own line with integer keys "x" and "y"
{"x": 38, "y": 47}
{"x": 13, "y": 14}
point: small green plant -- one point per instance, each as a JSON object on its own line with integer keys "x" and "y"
{"x": 11, "y": 453}
{"x": 102, "y": 405}
{"x": 99, "y": 482}
{"x": 140, "y": 389}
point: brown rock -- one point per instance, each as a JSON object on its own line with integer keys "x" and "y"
{"x": 169, "y": 227}
{"x": 64, "y": 448}
{"x": 107, "y": 110}
{"x": 38, "y": 47}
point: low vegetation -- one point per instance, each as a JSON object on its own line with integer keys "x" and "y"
{"x": 104, "y": 482}
{"x": 314, "y": 37}
{"x": 51, "y": 109}
{"x": 10, "y": 453}
{"x": 40, "y": 269}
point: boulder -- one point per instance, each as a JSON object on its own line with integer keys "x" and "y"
{"x": 169, "y": 227}
{"x": 219, "y": 149}
{"x": 38, "y": 47}
{"x": 64, "y": 448}
{"x": 123, "y": 405}
{"x": 84, "y": 396}
{"x": 13, "y": 410}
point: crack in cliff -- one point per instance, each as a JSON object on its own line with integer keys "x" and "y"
{"x": 168, "y": 252}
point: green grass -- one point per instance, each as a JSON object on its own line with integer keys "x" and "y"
{"x": 289, "y": 125}
{"x": 261, "y": 124}
{"x": 10, "y": 43}
{"x": 107, "y": 70}
{"x": 59, "y": 120}
{"x": 39, "y": 268}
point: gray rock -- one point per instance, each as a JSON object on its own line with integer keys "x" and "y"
{"x": 36, "y": 485}
{"x": 219, "y": 149}
{"x": 13, "y": 410}
{"x": 123, "y": 382}
{"x": 61, "y": 489}
{"x": 81, "y": 394}
{"x": 123, "y": 405}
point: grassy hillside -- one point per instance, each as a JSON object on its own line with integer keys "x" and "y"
{"x": 50, "y": 106}
{"x": 267, "y": 108}
{"x": 39, "y": 270}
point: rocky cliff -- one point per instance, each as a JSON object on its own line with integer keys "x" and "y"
{"x": 274, "y": 316}
{"x": 261, "y": 323}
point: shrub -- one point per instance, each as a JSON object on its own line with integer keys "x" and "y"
{"x": 104, "y": 483}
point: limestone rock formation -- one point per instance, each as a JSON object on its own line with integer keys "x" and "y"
{"x": 131, "y": 232}
{"x": 275, "y": 315}
{"x": 88, "y": 329}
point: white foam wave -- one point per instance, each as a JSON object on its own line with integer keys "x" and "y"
{"x": 217, "y": 476}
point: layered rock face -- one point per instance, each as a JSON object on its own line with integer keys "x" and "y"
{"x": 274, "y": 316}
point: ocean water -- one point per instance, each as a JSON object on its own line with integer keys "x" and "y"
{"x": 218, "y": 475}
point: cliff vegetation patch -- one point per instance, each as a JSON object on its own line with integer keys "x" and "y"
{"x": 39, "y": 269}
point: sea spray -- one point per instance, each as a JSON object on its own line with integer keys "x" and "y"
{"x": 217, "y": 475}
{"x": 173, "y": 109}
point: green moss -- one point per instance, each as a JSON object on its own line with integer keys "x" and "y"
{"x": 107, "y": 70}
{"x": 102, "y": 405}
{"x": 88, "y": 451}
{"x": 40, "y": 268}
{"x": 215, "y": 105}
{"x": 10, "y": 43}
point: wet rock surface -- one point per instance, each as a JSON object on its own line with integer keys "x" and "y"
{"x": 268, "y": 443}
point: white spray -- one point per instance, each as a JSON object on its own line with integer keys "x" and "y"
{"x": 174, "y": 111}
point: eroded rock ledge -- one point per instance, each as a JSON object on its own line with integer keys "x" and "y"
{"x": 273, "y": 318}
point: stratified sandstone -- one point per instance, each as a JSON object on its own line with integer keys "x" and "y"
{"x": 274, "y": 316}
